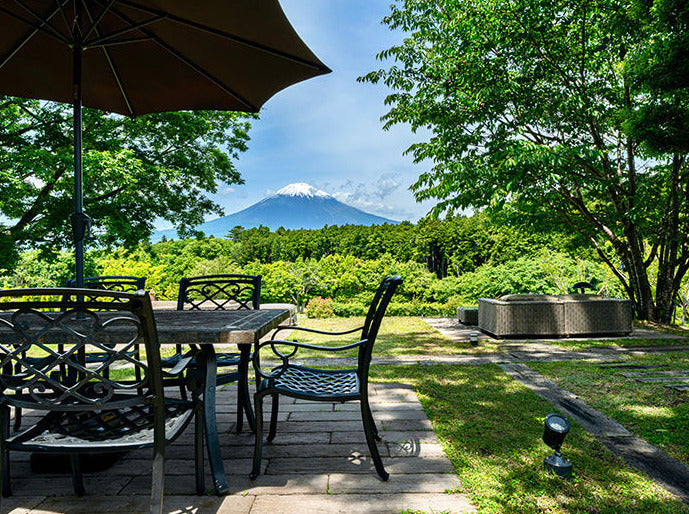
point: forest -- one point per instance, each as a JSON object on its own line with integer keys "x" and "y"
{"x": 333, "y": 271}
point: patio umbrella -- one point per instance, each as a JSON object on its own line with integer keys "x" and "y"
{"x": 135, "y": 57}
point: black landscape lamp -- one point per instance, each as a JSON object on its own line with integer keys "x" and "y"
{"x": 554, "y": 433}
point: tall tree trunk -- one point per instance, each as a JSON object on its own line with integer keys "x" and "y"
{"x": 635, "y": 265}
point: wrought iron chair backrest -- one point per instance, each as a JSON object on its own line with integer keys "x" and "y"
{"x": 220, "y": 292}
{"x": 127, "y": 284}
{"x": 59, "y": 326}
{"x": 375, "y": 314}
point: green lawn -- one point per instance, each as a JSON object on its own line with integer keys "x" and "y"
{"x": 491, "y": 426}
{"x": 652, "y": 411}
{"x": 398, "y": 335}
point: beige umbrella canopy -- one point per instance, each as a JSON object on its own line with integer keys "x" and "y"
{"x": 135, "y": 57}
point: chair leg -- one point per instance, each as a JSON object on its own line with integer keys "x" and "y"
{"x": 77, "y": 476}
{"x": 258, "y": 441}
{"x": 371, "y": 433}
{"x": 17, "y": 418}
{"x": 158, "y": 478}
{"x": 5, "y": 454}
{"x": 274, "y": 417}
{"x": 376, "y": 435}
{"x": 198, "y": 452}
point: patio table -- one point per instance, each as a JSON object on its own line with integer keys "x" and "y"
{"x": 219, "y": 328}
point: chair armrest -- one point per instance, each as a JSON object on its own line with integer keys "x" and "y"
{"x": 314, "y": 330}
{"x": 182, "y": 364}
{"x": 284, "y": 357}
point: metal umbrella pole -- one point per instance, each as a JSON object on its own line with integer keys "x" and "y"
{"x": 80, "y": 221}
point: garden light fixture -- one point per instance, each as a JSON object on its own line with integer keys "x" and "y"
{"x": 473, "y": 339}
{"x": 554, "y": 433}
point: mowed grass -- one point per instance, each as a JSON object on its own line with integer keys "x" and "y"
{"x": 491, "y": 426}
{"x": 656, "y": 413}
{"x": 398, "y": 336}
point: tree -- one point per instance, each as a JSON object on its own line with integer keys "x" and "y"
{"x": 529, "y": 105}
{"x": 135, "y": 171}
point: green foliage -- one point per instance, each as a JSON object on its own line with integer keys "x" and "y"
{"x": 538, "y": 107}
{"x": 660, "y": 68}
{"x": 47, "y": 269}
{"x": 320, "y": 308}
{"x": 343, "y": 284}
{"x": 158, "y": 166}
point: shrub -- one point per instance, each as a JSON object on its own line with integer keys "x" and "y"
{"x": 349, "y": 309}
{"x": 319, "y": 307}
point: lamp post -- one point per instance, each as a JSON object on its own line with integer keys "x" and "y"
{"x": 554, "y": 432}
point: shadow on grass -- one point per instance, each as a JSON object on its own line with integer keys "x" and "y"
{"x": 491, "y": 427}
{"x": 651, "y": 410}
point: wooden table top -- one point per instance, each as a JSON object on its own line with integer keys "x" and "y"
{"x": 217, "y": 327}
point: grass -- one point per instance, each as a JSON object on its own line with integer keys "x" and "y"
{"x": 490, "y": 427}
{"x": 398, "y": 336}
{"x": 652, "y": 411}
{"x": 583, "y": 344}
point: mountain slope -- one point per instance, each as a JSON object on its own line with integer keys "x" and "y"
{"x": 296, "y": 206}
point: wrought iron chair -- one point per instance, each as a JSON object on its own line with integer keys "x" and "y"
{"x": 107, "y": 283}
{"x": 83, "y": 409}
{"x": 224, "y": 292}
{"x": 122, "y": 283}
{"x": 322, "y": 385}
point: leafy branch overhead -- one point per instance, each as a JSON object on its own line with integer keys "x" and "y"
{"x": 552, "y": 110}
{"x": 158, "y": 166}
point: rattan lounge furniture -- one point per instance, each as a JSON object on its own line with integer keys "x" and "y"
{"x": 556, "y": 316}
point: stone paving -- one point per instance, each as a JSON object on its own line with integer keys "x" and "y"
{"x": 317, "y": 463}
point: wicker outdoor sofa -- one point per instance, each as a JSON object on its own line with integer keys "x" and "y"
{"x": 559, "y": 316}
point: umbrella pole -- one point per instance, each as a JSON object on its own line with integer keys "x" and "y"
{"x": 80, "y": 221}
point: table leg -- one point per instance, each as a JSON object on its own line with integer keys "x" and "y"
{"x": 211, "y": 426}
{"x": 243, "y": 384}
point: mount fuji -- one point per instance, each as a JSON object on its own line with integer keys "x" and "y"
{"x": 296, "y": 206}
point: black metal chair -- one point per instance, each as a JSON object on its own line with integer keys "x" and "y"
{"x": 102, "y": 283}
{"x": 83, "y": 409}
{"x": 122, "y": 283}
{"x": 224, "y": 292}
{"x": 323, "y": 385}
{"x": 125, "y": 284}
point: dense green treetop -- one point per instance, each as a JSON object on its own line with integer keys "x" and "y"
{"x": 158, "y": 166}
{"x": 540, "y": 107}
{"x": 660, "y": 68}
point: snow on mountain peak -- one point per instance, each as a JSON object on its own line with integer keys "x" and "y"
{"x": 302, "y": 189}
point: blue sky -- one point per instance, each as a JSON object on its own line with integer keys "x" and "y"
{"x": 327, "y": 131}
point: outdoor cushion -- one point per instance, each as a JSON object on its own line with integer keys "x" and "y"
{"x": 528, "y": 298}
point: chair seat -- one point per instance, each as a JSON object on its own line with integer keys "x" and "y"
{"x": 222, "y": 360}
{"x": 227, "y": 359}
{"x": 310, "y": 382}
{"x": 115, "y": 430}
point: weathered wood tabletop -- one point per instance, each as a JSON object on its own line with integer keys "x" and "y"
{"x": 217, "y": 327}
